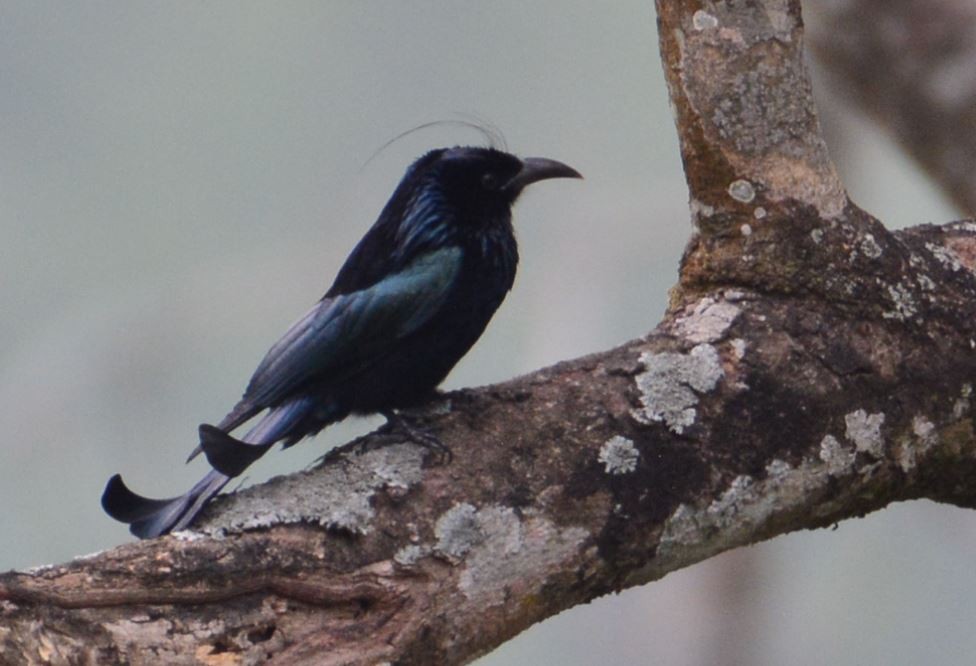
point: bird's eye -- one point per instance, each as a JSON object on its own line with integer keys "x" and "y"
{"x": 489, "y": 181}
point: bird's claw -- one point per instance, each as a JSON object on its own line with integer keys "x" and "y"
{"x": 420, "y": 436}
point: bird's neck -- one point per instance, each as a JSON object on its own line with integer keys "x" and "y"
{"x": 492, "y": 254}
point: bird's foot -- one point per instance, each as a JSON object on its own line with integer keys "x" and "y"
{"x": 419, "y": 436}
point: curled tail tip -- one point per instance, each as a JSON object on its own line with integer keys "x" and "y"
{"x": 148, "y": 518}
{"x": 129, "y": 507}
{"x": 226, "y": 454}
{"x": 205, "y": 431}
{"x": 121, "y": 503}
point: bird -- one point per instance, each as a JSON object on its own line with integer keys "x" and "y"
{"x": 410, "y": 300}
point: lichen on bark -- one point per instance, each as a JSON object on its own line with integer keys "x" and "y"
{"x": 812, "y": 366}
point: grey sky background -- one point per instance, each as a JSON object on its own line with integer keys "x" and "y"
{"x": 179, "y": 181}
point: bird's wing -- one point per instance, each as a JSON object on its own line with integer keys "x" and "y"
{"x": 348, "y": 328}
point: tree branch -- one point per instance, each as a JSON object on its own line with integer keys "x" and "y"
{"x": 910, "y": 64}
{"x": 812, "y": 367}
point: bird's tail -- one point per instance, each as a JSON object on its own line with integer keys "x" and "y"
{"x": 148, "y": 518}
{"x": 227, "y": 454}
{"x": 231, "y": 456}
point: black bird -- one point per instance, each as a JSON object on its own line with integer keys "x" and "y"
{"x": 408, "y": 303}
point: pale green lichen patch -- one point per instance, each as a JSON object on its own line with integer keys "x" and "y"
{"x": 869, "y": 247}
{"x": 707, "y": 320}
{"x": 864, "y": 430}
{"x": 493, "y": 541}
{"x": 619, "y": 455}
{"x": 410, "y": 554}
{"x": 742, "y": 190}
{"x": 671, "y": 383}
{"x": 921, "y": 277}
{"x": 702, "y": 20}
{"x": 924, "y": 436}
{"x": 925, "y": 431}
{"x": 457, "y": 531}
{"x": 534, "y": 546}
{"x": 945, "y": 256}
{"x": 903, "y": 302}
{"x": 337, "y": 496}
{"x": 838, "y": 458}
{"x": 778, "y": 467}
{"x": 701, "y": 209}
{"x": 694, "y": 533}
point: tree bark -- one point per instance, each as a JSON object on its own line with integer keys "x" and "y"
{"x": 812, "y": 366}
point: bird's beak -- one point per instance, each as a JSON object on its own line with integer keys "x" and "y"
{"x": 539, "y": 168}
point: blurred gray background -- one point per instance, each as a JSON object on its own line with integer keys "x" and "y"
{"x": 179, "y": 181}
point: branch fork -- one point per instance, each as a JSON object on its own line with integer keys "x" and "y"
{"x": 812, "y": 366}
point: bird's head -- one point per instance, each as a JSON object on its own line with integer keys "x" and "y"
{"x": 476, "y": 181}
{"x": 459, "y": 193}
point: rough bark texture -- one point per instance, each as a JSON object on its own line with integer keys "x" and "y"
{"x": 912, "y": 65}
{"x": 812, "y": 367}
